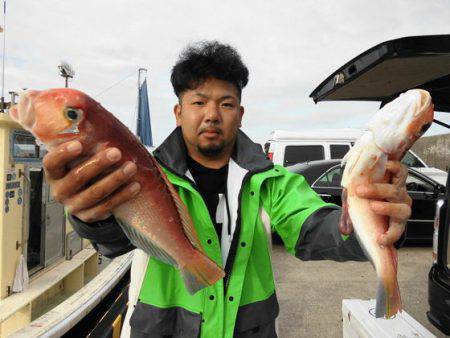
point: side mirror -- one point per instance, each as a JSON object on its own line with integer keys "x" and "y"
{"x": 441, "y": 189}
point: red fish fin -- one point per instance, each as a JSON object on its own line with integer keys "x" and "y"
{"x": 345, "y": 225}
{"x": 186, "y": 221}
{"x": 185, "y": 218}
{"x": 200, "y": 272}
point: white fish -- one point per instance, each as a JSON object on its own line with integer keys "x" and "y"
{"x": 392, "y": 131}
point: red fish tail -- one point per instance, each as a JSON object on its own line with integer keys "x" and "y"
{"x": 199, "y": 272}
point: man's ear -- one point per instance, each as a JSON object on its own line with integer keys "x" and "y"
{"x": 177, "y": 113}
{"x": 241, "y": 112}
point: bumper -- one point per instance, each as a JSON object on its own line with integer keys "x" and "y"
{"x": 439, "y": 299}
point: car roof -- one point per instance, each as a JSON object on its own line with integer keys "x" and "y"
{"x": 306, "y": 168}
{"x": 317, "y": 134}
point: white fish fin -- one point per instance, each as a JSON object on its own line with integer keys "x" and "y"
{"x": 350, "y": 160}
{"x": 362, "y": 161}
{"x": 388, "y": 301}
{"x": 364, "y": 249}
{"x": 349, "y": 154}
{"x": 380, "y": 306}
{"x": 345, "y": 223}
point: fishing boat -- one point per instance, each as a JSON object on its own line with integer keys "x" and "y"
{"x": 53, "y": 282}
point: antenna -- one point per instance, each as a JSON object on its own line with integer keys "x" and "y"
{"x": 66, "y": 71}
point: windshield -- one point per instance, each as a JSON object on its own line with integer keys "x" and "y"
{"x": 332, "y": 178}
{"x": 411, "y": 160}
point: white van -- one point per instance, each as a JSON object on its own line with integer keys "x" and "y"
{"x": 288, "y": 148}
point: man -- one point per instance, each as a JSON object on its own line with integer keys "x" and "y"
{"x": 235, "y": 197}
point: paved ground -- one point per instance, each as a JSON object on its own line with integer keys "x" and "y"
{"x": 311, "y": 293}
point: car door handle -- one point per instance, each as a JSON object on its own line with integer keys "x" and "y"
{"x": 324, "y": 195}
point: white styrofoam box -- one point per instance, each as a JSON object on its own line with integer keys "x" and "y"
{"x": 359, "y": 321}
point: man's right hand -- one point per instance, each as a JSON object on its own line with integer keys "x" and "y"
{"x": 85, "y": 195}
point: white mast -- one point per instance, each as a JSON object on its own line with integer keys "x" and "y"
{"x": 3, "y": 61}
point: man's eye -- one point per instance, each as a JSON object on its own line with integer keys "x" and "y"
{"x": 198, "y": 103}
{"x": 228, "y": 105}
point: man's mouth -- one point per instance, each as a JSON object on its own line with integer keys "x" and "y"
{"x": 210, "y": 132}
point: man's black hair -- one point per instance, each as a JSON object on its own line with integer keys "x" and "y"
{"x": 208, "y": 59}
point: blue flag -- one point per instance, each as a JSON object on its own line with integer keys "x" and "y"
{"x": 144, "y": 130}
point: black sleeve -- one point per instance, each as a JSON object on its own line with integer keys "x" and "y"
{"x": 320, "y": 239}
{"x": 106, "y": 236}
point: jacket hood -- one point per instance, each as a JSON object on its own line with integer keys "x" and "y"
{"x": 247, "y": 154}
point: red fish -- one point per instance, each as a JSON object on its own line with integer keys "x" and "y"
{"x": 392, "y": 131}
{"x": 156, "y": 220}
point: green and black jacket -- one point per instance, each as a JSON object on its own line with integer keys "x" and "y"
{"x": 260, "y": 198}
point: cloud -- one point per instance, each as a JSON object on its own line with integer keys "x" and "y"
{"x": 289, "y": 46}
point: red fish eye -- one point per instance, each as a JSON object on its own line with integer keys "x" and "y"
{"x": 73, "y": 114}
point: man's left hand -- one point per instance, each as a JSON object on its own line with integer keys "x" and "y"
{"x": 390, "y": 199}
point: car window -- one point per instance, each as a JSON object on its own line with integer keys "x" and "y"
{"x": 299, "y": 154}
{"x": 332, "y": 178}
{"x": 410, "y": 160}
{"x": 414, "y": 183}
{"x": 338, "y": 151}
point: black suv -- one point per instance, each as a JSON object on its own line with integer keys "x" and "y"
{"x": 381, "y": 74}
{"x": 439, "y": 276}
{"x": 325, "y": 176}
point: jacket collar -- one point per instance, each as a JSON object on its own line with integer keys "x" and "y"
{"x": 247, "y": 154}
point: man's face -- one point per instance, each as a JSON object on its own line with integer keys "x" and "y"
{"x": 210, "y": 116}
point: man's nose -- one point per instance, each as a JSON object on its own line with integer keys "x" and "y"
{"x": 212, "y": 112}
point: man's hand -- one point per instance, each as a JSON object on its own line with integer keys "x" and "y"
{"x": 397, "y": 203}
{"x": 84, "y": 190}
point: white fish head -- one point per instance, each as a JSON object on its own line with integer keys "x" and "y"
{"x": 402, "y": 121}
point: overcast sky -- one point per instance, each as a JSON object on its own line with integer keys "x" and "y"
{"x": 289, "y": 47}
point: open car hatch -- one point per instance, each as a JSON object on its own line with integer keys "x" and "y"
{"x": 390, "y": 68}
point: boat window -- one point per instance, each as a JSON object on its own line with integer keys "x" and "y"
{"x": 338, "y": 151}
{"x": 416, "y": 184}
{"x": 303, "y": 153}
{"x": 411, "y": 160}
{"x": 332, "y": 178}
{"x": 24, "y": 147}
